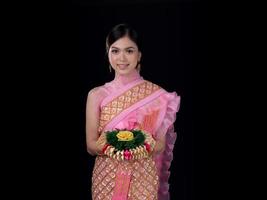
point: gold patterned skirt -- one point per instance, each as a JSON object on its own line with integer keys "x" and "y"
{"x": 144, "y": 180}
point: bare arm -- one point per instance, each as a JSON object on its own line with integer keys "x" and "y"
{"x": 92, "y": 122}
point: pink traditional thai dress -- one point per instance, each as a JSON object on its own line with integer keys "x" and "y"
{"x": 142, "y": 105}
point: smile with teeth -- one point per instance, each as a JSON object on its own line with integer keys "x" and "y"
{"x": 123, "y": 66}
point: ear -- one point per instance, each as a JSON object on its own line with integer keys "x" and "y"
{"x": 139, "y": 56}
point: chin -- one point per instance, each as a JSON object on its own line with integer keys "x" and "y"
{"x": 124, "y": 72}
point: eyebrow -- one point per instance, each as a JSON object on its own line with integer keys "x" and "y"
{"x": 124, "y": 48}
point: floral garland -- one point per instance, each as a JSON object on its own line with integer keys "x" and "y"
{"x": 128, "y": 144}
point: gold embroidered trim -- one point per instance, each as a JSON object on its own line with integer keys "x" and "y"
{"x": 125, "y": 100}
{"x": 144, "y": 182}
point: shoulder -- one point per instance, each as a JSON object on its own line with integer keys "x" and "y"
{"x": 153, "y": 85}
{"x": 97, "y": 90}
{"x": 94, "y": 91}
{"x": 97, "y": 93}
{"x": 169, "y": 94}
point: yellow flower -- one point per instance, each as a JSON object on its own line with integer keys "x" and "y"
{"x": 125, "y": 136}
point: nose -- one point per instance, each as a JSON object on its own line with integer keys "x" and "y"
{"x": 122, "y": 57}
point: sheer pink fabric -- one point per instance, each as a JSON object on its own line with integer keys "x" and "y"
{"x": 163, "y": 160}
{"x": 156, "y": 115}
{"x": 168, "y": 106}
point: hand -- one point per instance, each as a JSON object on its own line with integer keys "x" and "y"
{"x": 150, "y": 140}
{"x": 100, "y": 143}
{"x": 159, "y": 145}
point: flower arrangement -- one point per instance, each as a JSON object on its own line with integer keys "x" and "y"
{"x": 128, "y": 144}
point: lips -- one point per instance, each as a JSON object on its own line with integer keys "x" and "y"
{"x": 122, "y": 66}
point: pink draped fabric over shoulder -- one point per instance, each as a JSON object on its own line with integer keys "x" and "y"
{"x": 143, "y": 105}
{"x": 166, "y": 106}
{"x": 166, "y": 128}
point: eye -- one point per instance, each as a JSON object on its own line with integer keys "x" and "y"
{"x": 114, "y": 51}
{"x": 130, "y": 51}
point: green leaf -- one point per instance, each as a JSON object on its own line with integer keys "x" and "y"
{"x": 138, "y": 140}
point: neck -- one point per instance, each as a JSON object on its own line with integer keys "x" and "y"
{"x": 126, "y": 78}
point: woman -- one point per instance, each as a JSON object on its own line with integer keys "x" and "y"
{"x": 130, "y": 102}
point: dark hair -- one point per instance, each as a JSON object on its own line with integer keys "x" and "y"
{"x": 120, "y": 31}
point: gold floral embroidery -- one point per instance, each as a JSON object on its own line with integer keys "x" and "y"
{"x": 125, "y": 100}
{"x": 143, "y": 185}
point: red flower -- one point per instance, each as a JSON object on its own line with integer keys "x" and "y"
{"x": 127, "y": 155}
{"x": 147, "y": 147}
{"x": 104, "y": 148}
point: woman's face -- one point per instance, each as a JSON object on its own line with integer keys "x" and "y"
{"x": 124, "y": 55}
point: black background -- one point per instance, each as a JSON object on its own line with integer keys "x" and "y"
{"x": 166, "y": 31}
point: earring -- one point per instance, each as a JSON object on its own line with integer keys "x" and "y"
{"x": 110, "y": 68}
{"x": 138, "y": 66}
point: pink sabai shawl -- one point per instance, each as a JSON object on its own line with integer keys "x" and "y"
{"x": 144, "y": 105}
